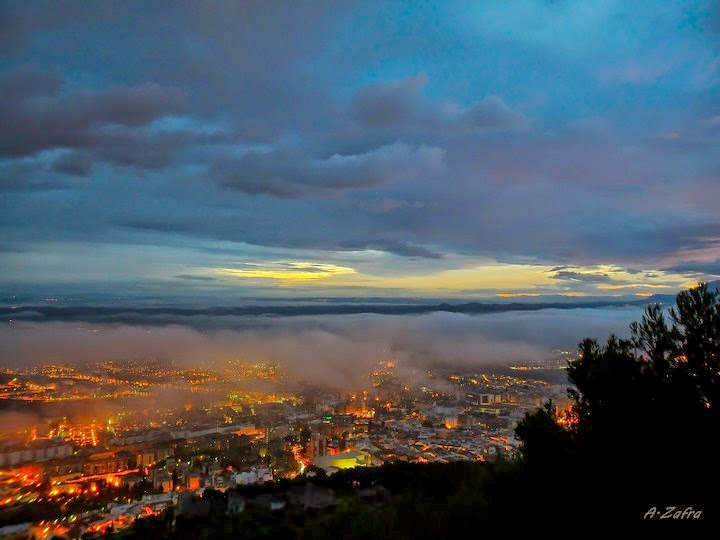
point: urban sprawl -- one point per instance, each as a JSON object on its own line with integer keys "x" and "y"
{"x": 88, "y": 449}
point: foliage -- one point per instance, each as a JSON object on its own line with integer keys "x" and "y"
{"x": 646, "y": 411}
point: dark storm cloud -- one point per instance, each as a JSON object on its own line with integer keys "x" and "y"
{"x": 291, "y": 174}
{"x": 196, "y": 278}
{"x": 689, "y": 237}
{"x": 400, "y": 105}
{"x": 74, "y": 164}
{"x": 584, "y": 277}
{"x": 20, "y": 176}
{"x": 338, "y": 233}
{"x": 403, "y": 249}
{"x": 711, "y": 268}
{"x": 136, "y": 147}
{"x": 25, "y": 83}
{"x": 383, "y": 104}
{"x": 34, "y": 116}
{"x": 107, "y": 125}
{"x": 490, "y": 113}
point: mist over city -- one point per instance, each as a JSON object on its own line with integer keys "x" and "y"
{"x": 323, "y": 346}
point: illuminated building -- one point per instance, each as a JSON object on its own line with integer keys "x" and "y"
{"x": 317, "y": 445}
{"x": 162, "y": 480}
{"x": 256, "y": 475}
{"x": 108, "y": 462}
{"x": 15, "y": 454}
{"x": 343, "y": 460}
{"x": 192, "y": 481}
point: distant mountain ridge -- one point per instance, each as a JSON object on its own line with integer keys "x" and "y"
{"x": 168, "y": 314}
{"x": 131, "y": 314}
{"x": 670, "y": 298}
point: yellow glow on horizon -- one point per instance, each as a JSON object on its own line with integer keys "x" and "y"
{"x": 611, "y": 287}
{"x": 289, "y": 271}
{"x": 502, "y": 280}
{"x": 505, "y": 277}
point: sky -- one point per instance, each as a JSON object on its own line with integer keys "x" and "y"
{"x": 227, "y": 150}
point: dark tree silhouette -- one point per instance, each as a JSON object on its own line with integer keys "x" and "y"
{"x": 646, "y": 415}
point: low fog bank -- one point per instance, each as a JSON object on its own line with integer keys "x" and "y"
{"x": 323, "y": 349}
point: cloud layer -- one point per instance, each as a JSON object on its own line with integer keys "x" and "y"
{"x": 331, "y": 349}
